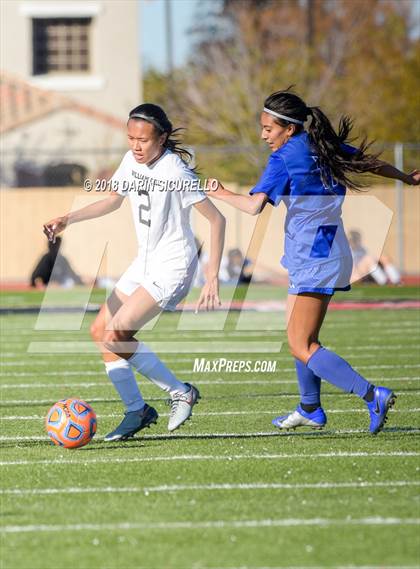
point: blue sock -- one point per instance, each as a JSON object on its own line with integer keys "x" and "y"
{"x": 337, "y": 371}
{"x": 309, "y": 384}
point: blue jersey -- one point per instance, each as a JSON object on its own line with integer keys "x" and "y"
{"x": 314, "y": 230}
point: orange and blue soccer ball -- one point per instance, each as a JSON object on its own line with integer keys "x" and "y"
{"x": 71, "y": 423}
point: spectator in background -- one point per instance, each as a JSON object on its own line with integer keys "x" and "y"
{"x": 238, "y": 267}
{"x": 54, "y": 267}
{"x": 203, "y": 259}
{"x": 366, "y": 267}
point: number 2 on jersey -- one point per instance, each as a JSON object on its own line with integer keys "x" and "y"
{"x": 144, "y": 208}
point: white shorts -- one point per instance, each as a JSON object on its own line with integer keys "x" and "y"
{"x": 168, "y": 285}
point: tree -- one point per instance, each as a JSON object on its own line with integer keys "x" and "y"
{"x": 356, "y": 57}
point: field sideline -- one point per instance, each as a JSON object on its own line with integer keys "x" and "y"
{"x": 227, "y": 491}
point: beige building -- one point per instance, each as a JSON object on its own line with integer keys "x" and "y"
{"x": 69, "y": 76}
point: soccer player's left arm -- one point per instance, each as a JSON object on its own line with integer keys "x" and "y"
{"x": 210, "y": 292}
{"x": 388, "y": 171}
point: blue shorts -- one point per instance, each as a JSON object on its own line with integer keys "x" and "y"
{"x": 323, "y": 278}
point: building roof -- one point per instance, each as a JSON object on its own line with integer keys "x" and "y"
{"x": 22, "y": 103}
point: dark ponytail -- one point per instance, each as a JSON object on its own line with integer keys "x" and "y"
{"x": 333, "y": 158}
{"x": 158, "y": 118}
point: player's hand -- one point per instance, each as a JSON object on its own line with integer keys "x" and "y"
{"x": 214, "y": 188}
{"x": 413, "y": 179}
{"x": 54, "y": 227}
{"x": 209, "y": 296}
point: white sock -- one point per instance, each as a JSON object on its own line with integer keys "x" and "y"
{"x": 122, "y": 377}
{"x": 148, "y": 364}
{"x": 393, "y": 274}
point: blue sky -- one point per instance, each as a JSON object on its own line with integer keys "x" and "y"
{"x": 152, "y": 31}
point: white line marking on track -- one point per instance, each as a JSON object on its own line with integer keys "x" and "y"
{"x": 19, "y": 492}
{"x": 33, "y": 402}
{"x": 391, "y": 326}
{"x": 192, "y": 457}
{"x": 69, "y": 364}
{"x": 219, "y": 381}
{"x": 5, "y": 402}
{"x": 187, "y": 371}
{"x": 347, "y": 348}
{"x": 216, "y": 524}
{"x": 106, "y": 383}
{"x": 278, "y": 433}
{"x": 332, "y": 567}
{"x": 209, "y": 414}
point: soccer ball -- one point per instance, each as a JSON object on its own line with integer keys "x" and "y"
{"x": 71, "y": 423}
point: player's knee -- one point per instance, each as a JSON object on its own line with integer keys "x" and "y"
{"x": 110, "y": 340}
{"x": 299, "y": 349}
{"x": 115, "y": 341}
{"x": 96, "y": 331}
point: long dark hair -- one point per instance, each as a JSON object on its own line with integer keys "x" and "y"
{"x": 326, "y": 142}
{"x": 158, "y": 118}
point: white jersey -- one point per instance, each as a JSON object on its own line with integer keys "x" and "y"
{"x": 161, "y": 196}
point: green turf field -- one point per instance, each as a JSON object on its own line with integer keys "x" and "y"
{"x": 227, "y": 490}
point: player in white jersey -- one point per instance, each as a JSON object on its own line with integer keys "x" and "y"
{"x": 155, "y": 176}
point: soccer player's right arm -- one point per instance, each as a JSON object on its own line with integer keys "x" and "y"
{"x": 272, "y": 186}
{"x": 249, "y": 204}
{"x": 91, "y": 211}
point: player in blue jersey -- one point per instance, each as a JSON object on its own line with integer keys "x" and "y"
{"x": 309, "y": 170}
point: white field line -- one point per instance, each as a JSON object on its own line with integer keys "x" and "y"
{"x": 339, "y": 317}
{"x": 223, "y": 435}
{"x": 392, "y": 324}
{"x": 347, "y": 347}
{"x": 335, "y": 321}
{"x": 335, "y": 316}
{"x": 5, "y": 402}
{"x": 332, "y": 567}
{"x": 38, "y": 345}
{"x": 217, "y": 381}
{"x": 218, "y": 524}
{"x": 69, "y": 364}
{"x": 22, "y": 339}
{"x": 198, "y": 457}
{"x": 189, "y": 371}
{"x": 40, "y": 357}
{"x": 210, "y": 414}
{"x": 167, "y": 347}
{"x": 73, "y": 334}
{"x": 33, "y": 402}
{"x": 18, "y": 492}
{"x": 381, "y": 348}
{"x": 104, "y": 383}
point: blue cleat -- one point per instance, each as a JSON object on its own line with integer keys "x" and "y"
{"x": 383, "y": 399}
{"x": 300, "y": 418}
{"x": 133, "y": 422}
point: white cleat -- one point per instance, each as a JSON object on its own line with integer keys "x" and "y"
{"x": 181, "y": 407}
